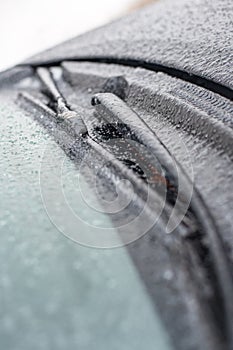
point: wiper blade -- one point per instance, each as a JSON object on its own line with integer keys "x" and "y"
{"x": 114, "y": 110}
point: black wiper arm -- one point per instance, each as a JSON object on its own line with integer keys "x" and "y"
{"x": 64, "y": 113}
{"x": 46, "y": 78}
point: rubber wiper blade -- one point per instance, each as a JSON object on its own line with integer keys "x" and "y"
{"x": 117, "y": 112}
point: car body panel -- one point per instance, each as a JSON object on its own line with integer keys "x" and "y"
{"x": 191, "y": 36}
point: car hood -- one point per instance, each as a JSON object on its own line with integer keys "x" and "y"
{"x": 191, "y": 36}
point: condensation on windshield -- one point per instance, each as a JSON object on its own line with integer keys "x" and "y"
{"x": 57, "y": 294}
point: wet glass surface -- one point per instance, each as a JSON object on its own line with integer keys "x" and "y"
{"x": 56, "y": 294}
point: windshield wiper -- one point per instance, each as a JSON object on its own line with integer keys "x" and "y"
{"x": 119, "y": 120}
{"x": 115, "y": 111}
